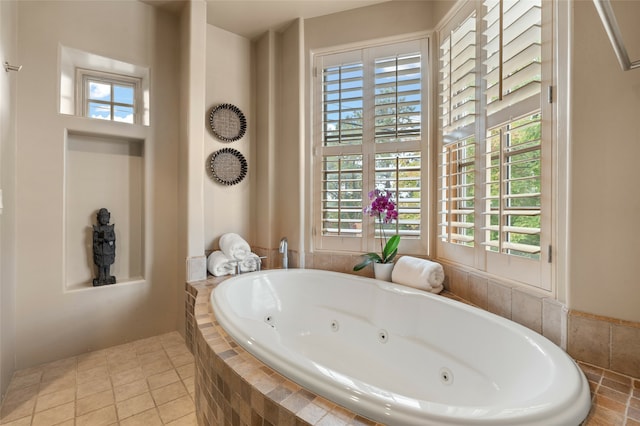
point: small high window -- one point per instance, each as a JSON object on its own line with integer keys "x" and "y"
{"x": 106, "y": 96}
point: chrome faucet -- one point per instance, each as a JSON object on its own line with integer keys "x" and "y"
{"x": 284, "y": 250}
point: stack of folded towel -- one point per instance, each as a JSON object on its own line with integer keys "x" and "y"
{"x": 234, "y": 246}
{"x": 418, "y": 273}
{"x": 234, "y": 250}
{"x": 218, "y": 264}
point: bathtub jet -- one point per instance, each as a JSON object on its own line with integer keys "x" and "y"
{"x": 400, "y": 356}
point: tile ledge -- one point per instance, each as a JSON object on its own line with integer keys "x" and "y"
{"x": 616, "y": 321}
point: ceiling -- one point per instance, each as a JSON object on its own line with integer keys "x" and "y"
{"x": 251, "y": 18}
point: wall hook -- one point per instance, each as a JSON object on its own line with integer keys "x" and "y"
{"x": 8, "y": 67}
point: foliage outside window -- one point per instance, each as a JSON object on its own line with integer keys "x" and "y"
{"x": 369, "y": 113}
{"x": 111, "y": 97}
{"x": 494, "y": 125}
{"x": 513, "y": 188}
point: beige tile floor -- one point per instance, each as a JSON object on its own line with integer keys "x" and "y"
{"x": 615, "y": 398}
{"x": 147, "y": 382}
{"x": 151, "y": 382}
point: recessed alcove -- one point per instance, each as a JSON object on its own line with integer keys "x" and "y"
{"x": 103, "y": 171}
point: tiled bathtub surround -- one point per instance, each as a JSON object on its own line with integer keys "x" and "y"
{"x": 146, "y": 382}
{"x": 541, "y": 314}
{"x": 605, "y": 342}
{"x": 234, "y": 388}
{"x": 272, "y": 258}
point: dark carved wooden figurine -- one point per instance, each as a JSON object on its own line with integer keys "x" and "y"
{"x": 104, "y": 248}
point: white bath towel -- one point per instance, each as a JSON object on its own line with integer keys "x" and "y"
{"x": 218, "y": 264}
{"x": 418, "y": 273}
{"x": 249, "y": 263}
{"x": 234, "y": 246}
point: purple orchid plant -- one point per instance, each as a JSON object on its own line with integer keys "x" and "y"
{"x": 384, "y": 209}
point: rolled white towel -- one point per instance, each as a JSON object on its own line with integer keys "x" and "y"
{"x": 418, "y": 273}
{"x": 234, "y": 246}
{"x": 218, "y": 264}
{"x": 249, "y": 263}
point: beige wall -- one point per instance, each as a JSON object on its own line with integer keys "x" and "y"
{"x": 605, "y": 197}
{"x": 193, "y": 45}
{"x": 380, "y": 20}
{"x": 290, "y": 220}
{"x": 277, "y": 100}
{"x": 228, "y": 80}
{"x": 264, "y": 79}
{"x": 279, "y": 143}
{"x": 52, "y": 321}
{"x": 8, "y": 83}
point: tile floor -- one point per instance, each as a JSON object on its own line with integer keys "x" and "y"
{"x": 615, "y": 397}
{"x": 151, "y": 382}
{"x": 147, "y": 382}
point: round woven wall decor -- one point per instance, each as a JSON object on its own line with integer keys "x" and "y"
{"x": 228, "y": 166}
{"x": 227, "y": 122}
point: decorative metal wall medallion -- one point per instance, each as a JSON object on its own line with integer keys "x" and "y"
{"x": 228, "y": 166}
{"x": 227, "y": 122}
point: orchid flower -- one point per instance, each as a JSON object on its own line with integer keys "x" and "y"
{"x": 384, "y": 210}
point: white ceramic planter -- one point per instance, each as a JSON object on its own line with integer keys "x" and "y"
{"x": 382, "y": 271}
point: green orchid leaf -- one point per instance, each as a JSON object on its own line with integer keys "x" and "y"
{"x": 390, "y": 249}
{"x": 391, "y": 256}
{"x": 367, "y": 259}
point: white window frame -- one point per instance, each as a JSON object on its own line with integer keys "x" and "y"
{"x": 538, "y": 274}
{"x": 369, "y": 242}
{"x": 83, "y": 76}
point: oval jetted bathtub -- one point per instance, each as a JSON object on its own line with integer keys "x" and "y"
{"x": 400, "y": 356}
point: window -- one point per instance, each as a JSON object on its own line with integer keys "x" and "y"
{"x": 106, "y": 96}
{"x": 369, "y": 113}
{"x": 494, "y": 177}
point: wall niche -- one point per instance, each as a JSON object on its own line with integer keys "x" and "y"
{"x": 103, "y": 171}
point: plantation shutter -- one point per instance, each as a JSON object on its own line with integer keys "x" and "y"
{"x": 458, "y": 111}
{"x": 492, "y": 191}
{"x": 513, "y": 50}
{"x": 342, "y": 195}
{"x": 514, "y": 188}
{"x": 342, "y": 103}
{"x": 457, "y": 188}
{"x": 458, "y": 81}
{"x": 400, "y": 173}
{"x": 369, "y": 118}
{"x": 342, "y": 123}
{"x": 513, "y": 146}
{"x": 398, "y": 98}
{"x": 398, "y": 95}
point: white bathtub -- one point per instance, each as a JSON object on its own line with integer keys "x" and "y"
{"x": 400, "y": 356}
